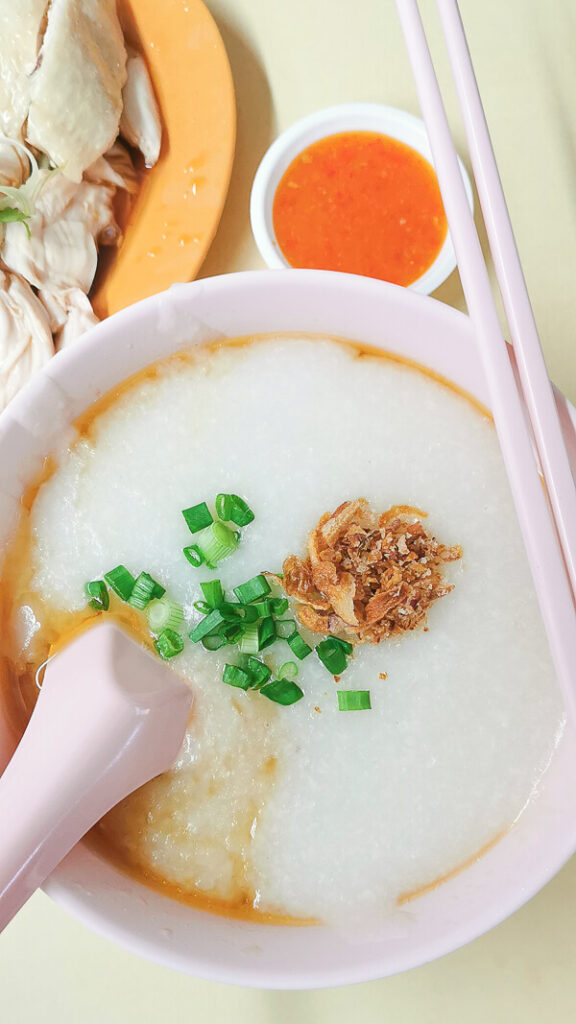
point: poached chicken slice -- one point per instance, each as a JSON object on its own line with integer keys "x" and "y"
{"x": 25, "y": 338}
{"x": 76, "y": 92}
{"x": 21, "y": 26}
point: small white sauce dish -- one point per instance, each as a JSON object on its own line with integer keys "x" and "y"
{"x": 368, "y": 117}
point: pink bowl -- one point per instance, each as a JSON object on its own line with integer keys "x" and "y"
{"x": 141, "y": 920}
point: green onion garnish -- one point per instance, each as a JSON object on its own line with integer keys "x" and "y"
{"x": 354, "y": 700}
{"x": 235, "y": 676}
{"x": 288, "y": 671}
{"x": 168, "y": 643}
{"x": 233, "y": 631}
{"x": 194, "y": 555}
{"x": 282, "y": 691}
{"x": 259, "y": 672}
{"x": 216, "y": 542}
{"x": 213, "y": 642}
{"x": 250, "y": 613}
{"x": 207, "y": 625}
{"x": 145, "y": 588}
{"x": 285, "y": 628}
{"x": 223, "y": 505}
{"x": 253, "y": 589}
{"x": 279, "y": 605}
{"x": 13, "y": 215}
{"x": 233, "y": 509}
{"x": 231, "y": 610}
{"x": 98, "y": 594}
{"x": 198, "y": 517}
{"x": 120, "y": 581}
{"x": 203, "y": 606}
{"x": 249, "y": 643}
{"x": 332, "y": 655}
{"x": 266, "y": 633}
{"x": 213, "y": 593}
{"x": 346, "y": 647}
{"x": 162, "y": 613}
{"x": 262, "y": 608}
{"x": 298, "y": 646}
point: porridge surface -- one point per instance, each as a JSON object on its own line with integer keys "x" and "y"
{"x": 306, "y": 810}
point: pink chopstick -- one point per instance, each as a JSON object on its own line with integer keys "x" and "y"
{"x": 536, "y": 386}
{"x": 538, "y": 529}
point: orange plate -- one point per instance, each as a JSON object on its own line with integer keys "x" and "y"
{"x": 178, "y": 208}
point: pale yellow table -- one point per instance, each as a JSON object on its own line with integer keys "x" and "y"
{"x": 289, "y": 58}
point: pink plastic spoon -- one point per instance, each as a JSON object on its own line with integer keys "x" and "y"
{"x": 109, "y": 718}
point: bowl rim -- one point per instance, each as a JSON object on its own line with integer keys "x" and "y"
{"x": 377, "y": 117}
{"x": 67, "y": 885}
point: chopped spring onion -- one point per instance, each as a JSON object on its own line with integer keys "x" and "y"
{"x": 162, "y": 613}
{"x": 298, "y": 646}
{"x": 346, "y": 647}
{"x": 266, "y": 633}
{"x": 9, "y": 215}
{"x": 285, "y": 628}
{"x": 259, "y": 672}
{"x": 231, "y": 610}
{"x": 198, "y": 517}
{"x": 232, "y": 631}
{"x": 216, "y": 542}
{"x": 282, "y": 691}
{"x": 203, "y": 606}
{"x": 253, "y": 589}
{"x": 207, "y": 625}
{"x": 279, "y": 605}
{"x": 120, "y": 581}
{"x": 233, "y": 509}
{"x": 288, "y": 671}
{"x": 332, "y": 655}
{"x": 250, "y": 614}
{"x": 213, "y": 593}
{"x": 235, "y": 676}
{"x": 194, "y": 555}
{"x": 249, "y": 642}
{"x": 223, "y": 505}
{"x": 23, "y": 197}
{"x": 168, "y": 643}
{"x": 262, "y": 608}
{"x": 213, "y": 642}
{"x": 354, "y": 700}
{"x": 145, "y": 588}
{"x": 98, "y": 594}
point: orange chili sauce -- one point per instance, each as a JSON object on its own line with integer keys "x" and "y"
{"x": 362, "y": 203}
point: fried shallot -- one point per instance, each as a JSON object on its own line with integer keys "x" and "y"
{"x": 367, "y": 576}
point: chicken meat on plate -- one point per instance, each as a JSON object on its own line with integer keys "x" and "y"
{"x": 69, "y": 93}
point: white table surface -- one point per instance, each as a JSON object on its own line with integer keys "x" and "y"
{"x": 289, "y": 59}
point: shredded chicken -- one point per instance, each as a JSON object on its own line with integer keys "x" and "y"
{"x": 69, "y": 222}
{"x": 140, "y": 124}
{"x": 64, "y": 89}
{"x": 366, "y": 576}
{"x": 13, "y": 166}
{"x": 114, "y": 168}
{"x": 25, "y": 338}
{"x": 70, "y": 314}
{"x": 60, "y": 253}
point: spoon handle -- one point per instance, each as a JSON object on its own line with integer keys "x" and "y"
{"x": 109, "y": 718}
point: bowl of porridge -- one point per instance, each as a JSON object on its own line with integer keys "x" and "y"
{"x": 289, "y": 486}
